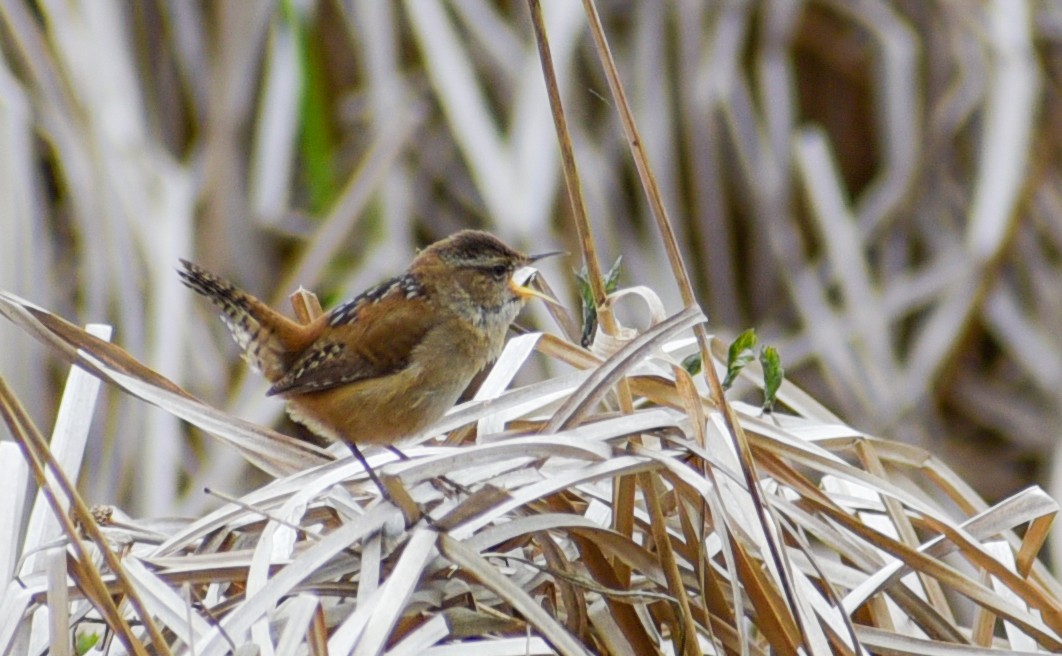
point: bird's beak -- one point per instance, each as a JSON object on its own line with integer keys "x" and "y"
{"x": 521, "y": 289}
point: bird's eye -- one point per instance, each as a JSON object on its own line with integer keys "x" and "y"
{"x": 499, "y": 271}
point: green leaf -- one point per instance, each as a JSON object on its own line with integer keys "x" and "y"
{"x": 85, "y": 642}
{"x": 773, "y": 375}
{"x": 589, "y": 309}
{"x": 692, "y": 364}
{"x": 316, "y": 130}
{"x": 740, "y": 354}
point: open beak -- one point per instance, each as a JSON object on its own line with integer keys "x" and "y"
{"x": 524, "y": 275}
{"x": 527, "y": 293}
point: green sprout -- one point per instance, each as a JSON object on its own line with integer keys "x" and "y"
{"x": 589, "y": 309}
{"x": 773, "y": 374}
{"x": 740, "y": 354}
{"x": 85, "y": 642}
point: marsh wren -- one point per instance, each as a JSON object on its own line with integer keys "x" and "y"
{"x": 392, "y": 361}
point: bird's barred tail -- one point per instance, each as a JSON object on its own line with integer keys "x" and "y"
{"x": 247, "y": 318}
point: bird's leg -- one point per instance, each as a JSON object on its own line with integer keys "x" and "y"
{"x": 454, "y": 486}
{"x": 410, "y": 509}
{"x": 369, "y": 470}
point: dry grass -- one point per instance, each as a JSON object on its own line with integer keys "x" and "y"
{"x": 584, "y": 530}
{"x": 617, "y": 504}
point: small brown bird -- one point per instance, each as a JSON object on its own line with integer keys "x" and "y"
{"x": 393, "y": 360}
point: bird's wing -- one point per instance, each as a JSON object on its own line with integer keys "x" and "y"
{"x": 372, "y": 340}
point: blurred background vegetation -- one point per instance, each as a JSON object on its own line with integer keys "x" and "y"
{"x": 874, "y": 186}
